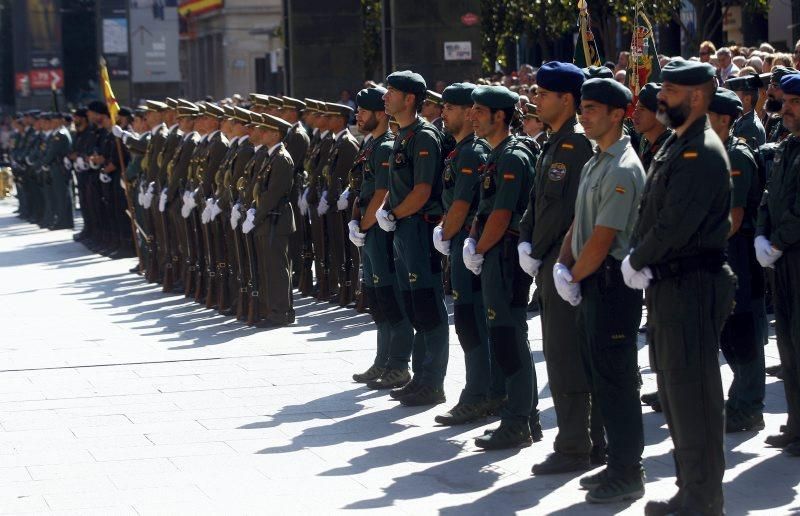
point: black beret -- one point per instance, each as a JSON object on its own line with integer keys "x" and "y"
{"x": 407, "y": 82}
{"x": 606, "y": 91}
{"x": 560, "y": 77}
{"x": 594, "y": 72}
{"x": 495, "y": 97}
{"x": 459, "y": 93}
{"x": 725, "y": 102}
{"x": 125, "y": 111}
{"x": 790, "y": 84}
{"x": 98, "y": 107}
{"x": 779, "y": 72}
{"x": 687, "y": 73}
{"x": 80, "y": 112}
{"x": 371, "y": 99}
{"x": 648, "y": 96}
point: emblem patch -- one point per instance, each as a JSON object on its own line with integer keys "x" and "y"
{"x": 423, "y": 153}
{"x": 455, "y": 295}
{"x": 487, "y": 182}
{"x": 467, "y": 171}
{"x": 736, "y": 173}
{"x": 509, "y": 176}
{"x": 412, "y": 277}
{"x": 490, "y": 314}
{"x": 567, "y": 146}
{"x": 557, "y": 172}
{"x": 375, "y": 279}
{"x": 690, "y": 155}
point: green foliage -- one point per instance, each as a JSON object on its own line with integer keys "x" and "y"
{"x": 371, "y": 16}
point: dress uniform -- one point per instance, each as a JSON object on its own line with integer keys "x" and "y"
{"x": 317, "y": 162}
{"x": 745, "y": 332}
{"x": 679, "y": 241}
{"x": 296, "y": 142}
{"x": 505, "y": 180}
{"x": 588, "y": 275}
{"x": 395, "y": 334}
{"x": 778, "y": 246}
{"x": 461, "y": 177}
{"x": 550, "y": 210}
{"x": 416, "y": 159}
{"x": 748, "y": 125}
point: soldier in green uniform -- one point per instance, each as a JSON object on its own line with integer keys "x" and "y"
{"x": 272, "y": 222}
{"x": 678, "y": 255}
{"x": 411, "y": 210}
{"x": 296, "y": 143}
{"x": 778, "y": 246}
{"x": 133, "y": 172}
{"x": 745, "y": 333}
{"x": 317, "y": 163}
{"x": 505, "y": 180}
{"x": 59, "y": 177}
{"x": 460, "y": 198}
{"x": 588, "y": 275}
{"x": 389, "y": 370}
{"x": 773, "y": 125}
{"x": 46, "y": 180}
{"x": 550, "y": 210}
{"x": 24, "y": 182}
{"x": 748, "y": 125}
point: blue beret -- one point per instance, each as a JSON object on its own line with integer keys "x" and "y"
{"x": 560, "y": 77}
{"x": 779, "y": 72}
{"x": 495, "y": 97}
{"x": 371, "y": 99}
{"x": 725, "y": 102}
{"x": 459, "y": 93}
{"x": 606, "y": 91}
{"x": 407, "y": 82}
{"x": 593, "y": 72}
{"x": 790, "y": 84}
{"x": 648, "y": 96}
{"x": 687, "y": 73}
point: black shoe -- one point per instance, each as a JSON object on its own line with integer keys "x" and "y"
{"x": 598, "y": 456}
{"x": 372, "y": 373}
{"x": 404, "y": 390}
{"x": 462, "y": 413}
{"x": 649, "y": 398}
{"x": 557, "y": 463}
{"x": 793, "y": 449}
{"x": 781, "y": 440}
{"x": 79, "y": 237}
{"x": 390, "y": 379}
{"x": 536, "y": 429}
{"x": 425, "y": 395}
{"x": 662, "y": 507}
{"x": 773, "y": 370}
{"x": 617, "y": 489}
{"x": 495, "y": 405}
{"x": 507, "y": 435}
{"x": 533, "y": 306}
{"x": 134, "y": 270}
{"x": 643, "y": 329}
{"x": 740, "y": 422}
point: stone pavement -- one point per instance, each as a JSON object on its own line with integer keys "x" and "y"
{"x": 118, "y": 399}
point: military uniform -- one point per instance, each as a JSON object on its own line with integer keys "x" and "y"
{"x": 319, "y": 157}
{"x": 58, "y": 179}
{"x": 296, "y": 142}
{"x": 749, "y": 127}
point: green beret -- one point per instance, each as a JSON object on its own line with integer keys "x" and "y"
{"x": 595, "y": 72}
{"x": 495, "y": 97}
{"x": 606, "y": 91}
{"x": 648, "y": 96}
{"x": 433, "y": 97}
{"x": 725, "y": 102}
{"x": 687, "y": 73}
{"x": 371, "y": 99}
{"x": 333, "y": 109}
{"x": 459, "y": 94}
{"x": 407, "y": 82}
{"x": 779, "y": 72}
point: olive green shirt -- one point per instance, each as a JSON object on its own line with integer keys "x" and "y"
{"x": 461, "y": 173}
{"x": 415, "y": 160}
{"x": 746, "y": 192}
{"x": 608, "y": 195}
{"x": 749, "y": 127}
{"x": 375, "y": 166}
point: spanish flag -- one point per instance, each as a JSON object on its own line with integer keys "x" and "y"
{"x": 586, "y": 53}
{"x": 643, "y": 65}
{"x": 111, "y": 101}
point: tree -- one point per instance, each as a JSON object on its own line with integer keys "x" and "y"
{"x": 372, "y": 23}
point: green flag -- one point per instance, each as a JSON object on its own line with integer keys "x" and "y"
{"x": 586, "y": 53}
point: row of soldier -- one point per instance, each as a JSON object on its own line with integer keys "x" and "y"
{"x": 233, "y": 205}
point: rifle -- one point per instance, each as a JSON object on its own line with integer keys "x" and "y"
{"x": 237, "y": 248}
{"x": 346, "y": 283}
{"x": 208, "y": 238}
{"x": 202, "y": 252}
{"x": 168, "y": 279}
{"x": 323, "y": 294}
{"x": 252, "y": 285}
{"x": 222, "y": 266}
{"x": 306, "y": 282}
{"x": 188, "y": 260}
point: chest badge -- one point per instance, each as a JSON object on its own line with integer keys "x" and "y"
{"x": 557, "y": 172}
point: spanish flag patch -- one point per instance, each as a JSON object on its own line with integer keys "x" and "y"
{"x": 690, "y": 155}
{"x": 736, "y": 173}
{"x": 567, "y": 146}
{"x": 467, "y": 171}
{"x": 423, "y": 153}
{"x": 385, "y": 164}
{"x": 509, "y": 177}
{"x": 619, "y": 189}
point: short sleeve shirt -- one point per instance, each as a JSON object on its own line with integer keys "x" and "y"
{"x": 461, "y": 173}
{"x": 415, "y": 159}
{"x": 375, "y": 168}
{"x": 745, "y": 191}
{"x": 608, "y": 195}
{"x": 505, "y": 181}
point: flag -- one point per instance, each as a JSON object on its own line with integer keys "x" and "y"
{"x": 643, "y": 65}
{"x": 113, "y": 105}
{"x": 586, "y": 53}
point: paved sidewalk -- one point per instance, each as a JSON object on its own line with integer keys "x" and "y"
{"x": 118, "y": 399}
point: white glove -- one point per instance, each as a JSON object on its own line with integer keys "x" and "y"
{"x": 441, "y": 245}
{"x": 235, "y": 216}
{"x": 215, "y": 210}
{"x": 765, "y": 253}
{"x": 569, "y": 291}
{"x": 67, "y": 163}
{"x": 206, "y": 215}
{"x": 80, "y": 164}
{"x": 140, "y": 197}
{"x": 472, "y": 260}
{"x": 248, "y": 224}
{"x": 122, "y": 183}
{"x": 188, "y": 204}
{"x": 384, "y": 222}
{"x": 117, "y": 131}
{"x": 356, "y": 236}
{"x": 104, "y": 178}
{"x": 637, "y": 280}
{"x": 148, "y": 195}
{"x": 322, "y": 207}
{"x": 528, "y": 263}
{"x": 162, "y": 200}
{"x": 302, "y": 202}
{"x": 341, "y": 204}
{"x": 93, "y": 165}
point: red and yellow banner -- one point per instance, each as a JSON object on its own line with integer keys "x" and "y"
{"x": 108, "y": 95}
{"x": 195, "y": 7}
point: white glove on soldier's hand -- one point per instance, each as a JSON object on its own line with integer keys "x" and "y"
{"x": 235, "y": 215}
{"x": 148, "y": 195}
{"x": 117, "y": 131}
{"x": 765, "y": 253}
{"x": 528, "y": 263}
{"x": 637, "y": 280}
{"x": 104, "y": 178}
{"x": 322, "y": 207}
{"x": 383, "y": 221}
{"x": 342, "y": 203}
{"x": 215, "y": 210}
{"x": 472, "y": 260}
{"x": 162, "y": 201}
{"x": 441, "y": 245}
{"x": 356, "y": 236}
{"x": 80, "y": 164}
{"x": 188, "y": 204}
{"x": 569, "y": 292}
{"x": 67, "y": 163}
{"x": 302, "y": 202}
{"x": 205, "y": 216}
{"x": 249, "y": 224}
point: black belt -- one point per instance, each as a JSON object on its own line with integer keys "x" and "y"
{"x": 709, "y": 261}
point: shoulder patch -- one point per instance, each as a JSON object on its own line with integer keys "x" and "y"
{"x": 567, "y": 145}
{"x": 423, "y": 153}
{"x": 735, "y": 173}
{"x": 557, "y": 172}
{"x": 466, "y": 170}
{"x": 619, "y": 189}
{"x": 384, "y": 163}
{"x": 689, "y": 154}
{"x": 509, "y": 176}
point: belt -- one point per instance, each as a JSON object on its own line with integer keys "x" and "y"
{"x": 432, "y": 219}
{"x": 710, "y": 261}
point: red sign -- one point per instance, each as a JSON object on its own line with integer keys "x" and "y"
{"x": 43, "y": 78}
{"x": 470, "y": 19}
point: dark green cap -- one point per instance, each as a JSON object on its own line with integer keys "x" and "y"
{"x": 595, "y": 72}
{"x": 648, "y": 96}
{"x": 687, "y": 73}
{"x": 725, "y": 102}
{"x": 495, "y": 97}
{"x": 371, "y": 99}
{"x": 606, "y": 91}
{"x": 459, "y": 94}
{"x": 407, "y": 82}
